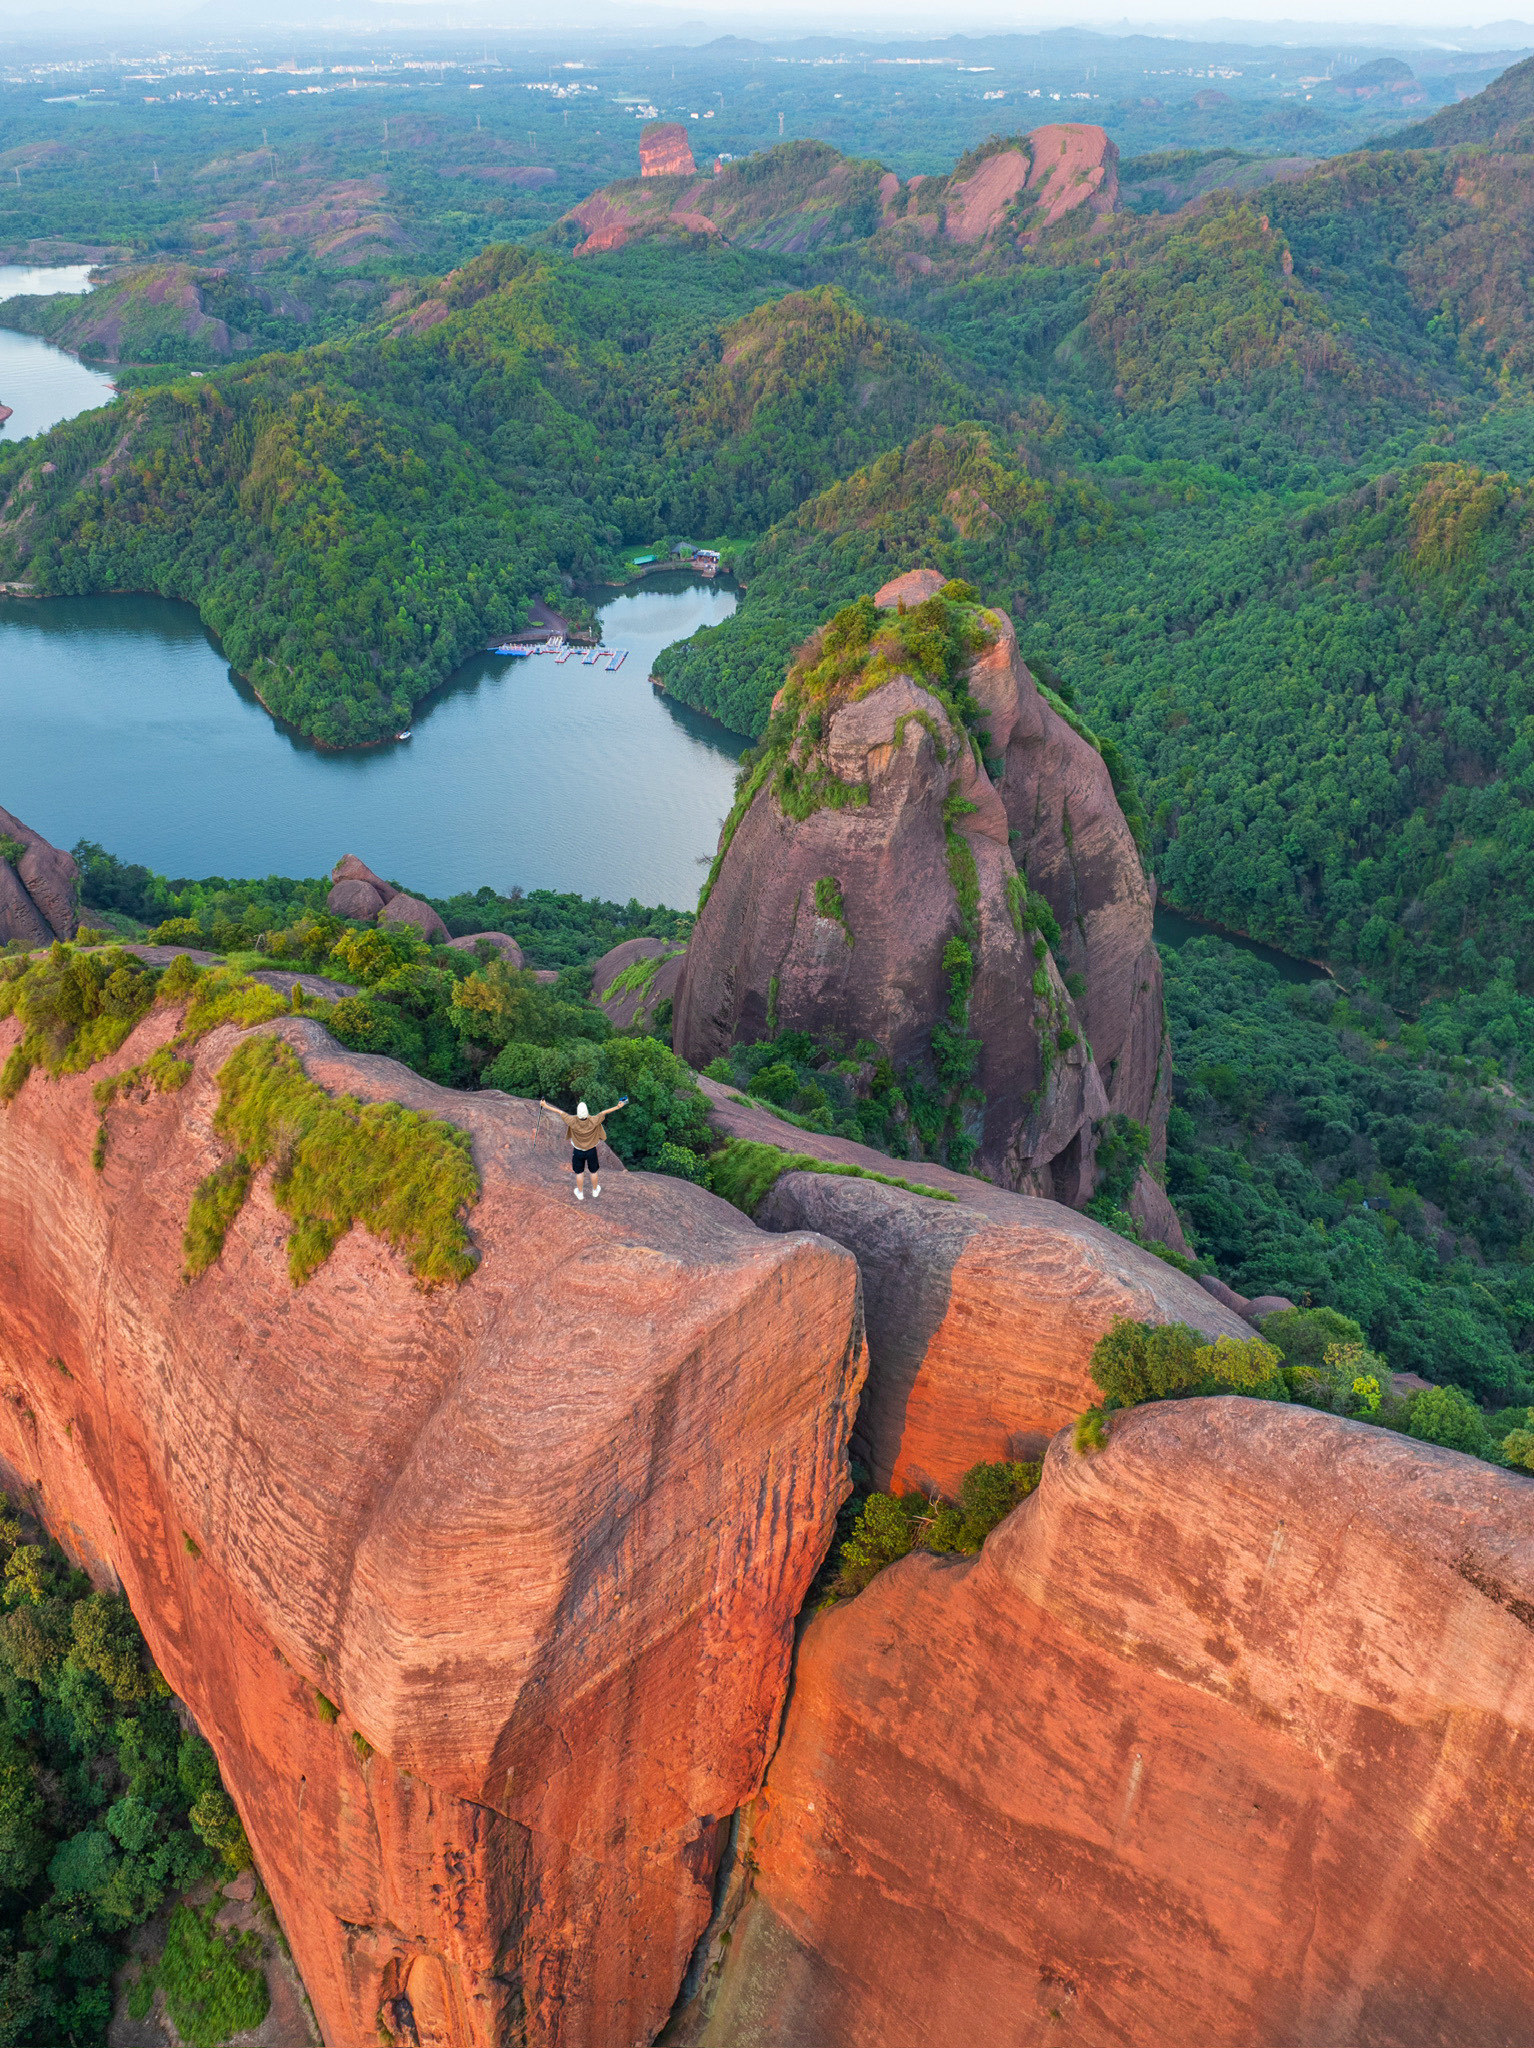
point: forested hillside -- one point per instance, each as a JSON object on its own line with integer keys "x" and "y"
{"x": 354, "y": 520}
{"x": 1252, "y": 471}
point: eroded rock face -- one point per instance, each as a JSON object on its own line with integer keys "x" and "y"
{"x": 771, "y": 951}
{"x": 980, "y": 1322}
{"x": 540, "y": 1539}
{"x": 1071, "y": 839}
{"x": 1073, "y": 164}
{"x": 638, "y": 1002}
{"x": 1224, "y": 1738}
{"x": 39, "y": 890}
{"x": 665, "y": 151}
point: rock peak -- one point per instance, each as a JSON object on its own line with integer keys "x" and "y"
{"x": 665, "y": 151}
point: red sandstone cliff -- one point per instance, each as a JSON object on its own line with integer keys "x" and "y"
{"x": 665, "y": 151}
{"x": 541, "y": 1539}
{"x": 980, "y": 1319}
{"x": 648, "y": 971}
{"x": 1224, "y": 1740}
{"x": 39, "y": 888}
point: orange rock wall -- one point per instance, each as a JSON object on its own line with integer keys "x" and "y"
{"x": 541, "y": 1539}
{"x": 980, "y": 1323}
{"x": 665, "y": 151}
{"x": 1225, "y": 1740}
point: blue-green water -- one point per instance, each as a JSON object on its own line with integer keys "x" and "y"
{"x": 122, "y": 723}
{"x": 1174, "y": 928}
{"x": 41, "y": 384}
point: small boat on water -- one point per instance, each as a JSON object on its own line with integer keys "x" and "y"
{"x": 403, "y": 735}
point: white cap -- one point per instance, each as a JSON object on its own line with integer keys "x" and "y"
{"x": 581, "y": 1109}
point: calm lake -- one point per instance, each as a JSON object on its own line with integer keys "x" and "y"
{"x": 125, "y": 725}
{"x": 41, "y": 384}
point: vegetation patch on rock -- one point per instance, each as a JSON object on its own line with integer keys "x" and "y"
{"x": 406, "y": 1178}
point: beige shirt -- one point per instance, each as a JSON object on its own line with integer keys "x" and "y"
{"x": 585, "y": 1131}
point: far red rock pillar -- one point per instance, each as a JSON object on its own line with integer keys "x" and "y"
{"x": 665, "y": 151}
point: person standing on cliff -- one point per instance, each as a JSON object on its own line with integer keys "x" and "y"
{"x": 586, "y": 1133}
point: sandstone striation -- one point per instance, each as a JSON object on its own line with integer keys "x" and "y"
{"x": 980, "y": 1322}
{"x": 839, "y": 894}
{"x": 665, "y": 151}
{"x": 39, "y": 887}
{"x": 484, "y": 1596}
{"x": 1225, "y": 1738}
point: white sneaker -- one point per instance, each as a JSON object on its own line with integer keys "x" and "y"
{"x": 579, "y": 1196}
{"x": 594, "y": 1193}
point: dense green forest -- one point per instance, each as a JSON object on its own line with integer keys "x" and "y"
{"x": 108, "y": 1809}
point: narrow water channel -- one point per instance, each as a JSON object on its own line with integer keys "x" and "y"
{"x": 42, "y": 384}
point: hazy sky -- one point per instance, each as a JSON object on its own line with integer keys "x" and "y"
{"x": 1418, "y": 19}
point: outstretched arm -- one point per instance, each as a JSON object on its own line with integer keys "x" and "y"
{"x": 551, "y": 1109}
{"x": 619, "y": 1104}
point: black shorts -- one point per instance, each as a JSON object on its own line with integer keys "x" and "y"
{"x": 584, "y": 1161}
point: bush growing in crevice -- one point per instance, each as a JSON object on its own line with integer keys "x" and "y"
{"x": 744, "y": 1172}
{"x": 889, "y": 1526}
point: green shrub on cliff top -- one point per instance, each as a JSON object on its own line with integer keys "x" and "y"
{"x": 1134, "y": 1362}
{"x": 744, "y": 1172}
{"x": 406, "y": 1178}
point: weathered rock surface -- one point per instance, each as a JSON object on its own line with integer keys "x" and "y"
{"x": 765, "y": 954}
{"x": 40, "y": 892}
{"x": 980, "y": 1322}
{"x": 358, "y": 900}
{"x": 357, "y": 892}
{"x": 1073, "y": 163}
{"x": 1072, "y": 841}
{"x": 402, "y": 909}
{"x": 541, "y": 1539}
{"x": 1225, "y": 1738}
{"x": 638, "y": 1003}
{"x": 503, "y": 943}
{"x": 1014, "y": 192}
{"x": 665, "y": 151}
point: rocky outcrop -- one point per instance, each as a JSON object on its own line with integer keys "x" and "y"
{"x": 642, "y": 986}
{"x": 1225, "y": 1738}
{"x": 1014, "y": 191}
{"x": 39, "y": 887}
{"x": 665, "y": 151}
{"x": 484, "y": 1596}
{"x": 839, "y": 895}
{"x": 1072, "y": 164}
{"x": 980, "y": 1321}
{"x": 403, "y": 909}
{"x": 356, "y": 892}
{"x": 502, "y": 943}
